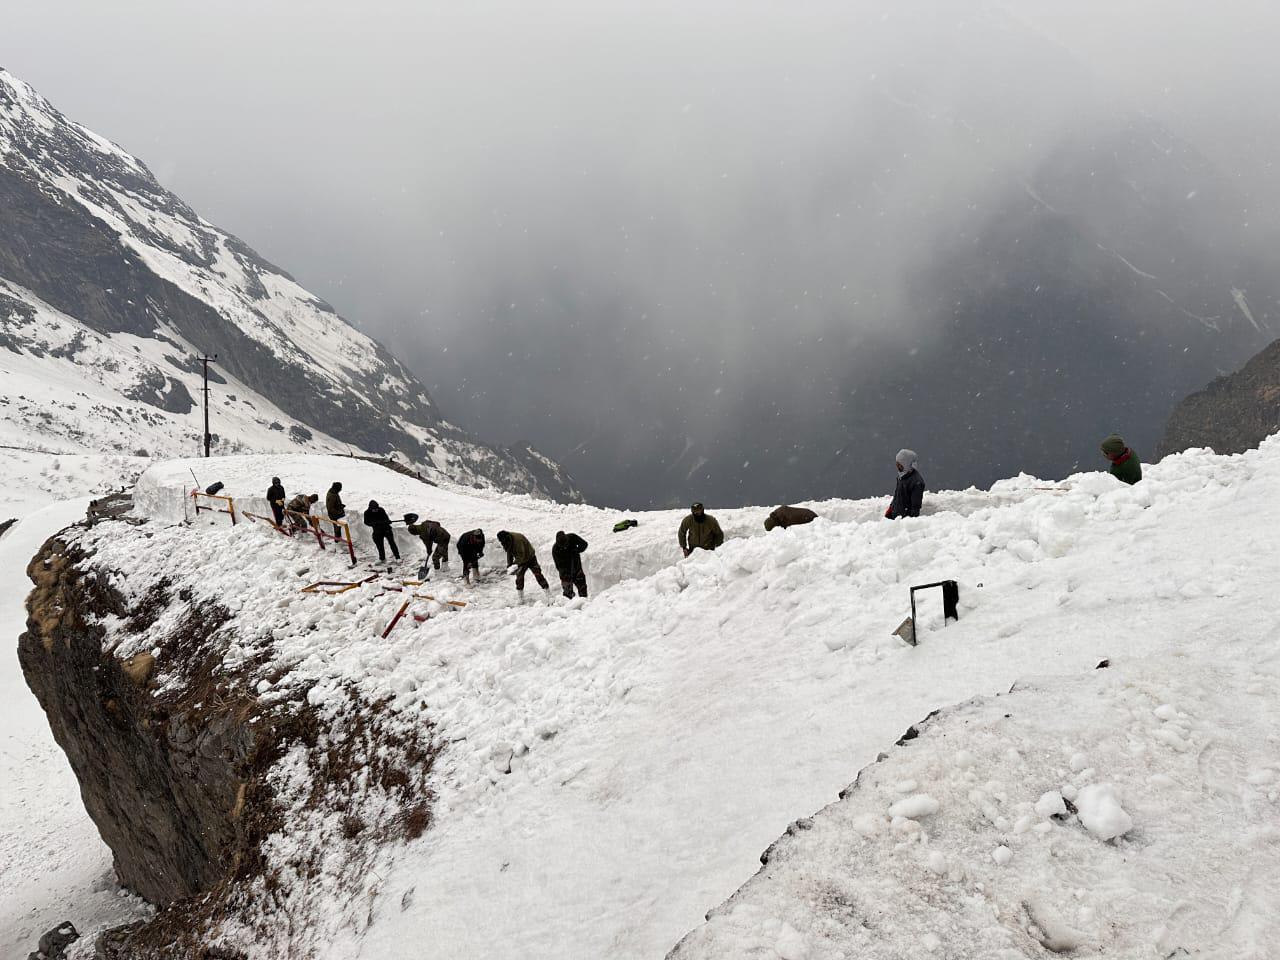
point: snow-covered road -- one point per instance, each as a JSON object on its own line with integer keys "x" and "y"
{"x": 614, "y": 768}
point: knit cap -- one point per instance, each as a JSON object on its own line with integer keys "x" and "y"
{"x": 1113, "y": 446}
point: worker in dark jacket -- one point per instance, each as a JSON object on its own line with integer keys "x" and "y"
{"x": 299, "y": 508}
{"x": 567, "y": 554}
{"x": 334, "y": 507}
{"x": 908, "y": 495}
{"x": 433, "y": 536}
{"x": 276, "y": 497}
{"x": 376, "y": 519}
{"x": 789, "y": 517}
{"x": 471, "y": 549}
{"x": 521, "y": 555}
{"x": 1125, "y": 465}
{"x": 699, "y": 531}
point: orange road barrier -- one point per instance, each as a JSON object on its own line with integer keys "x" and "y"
{"x": 230, "y": 508}
{"x": 317, "y": 525}
{"x": 396, "y": 619}
{"x": 451, "y": 603}
{"x": 268, "y": 521}
{"x": 420, "y": 596}
{"x": 342, "y": 586}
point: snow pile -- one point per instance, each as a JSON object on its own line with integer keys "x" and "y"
{"x": 1101, "y": 813}
{"x": 1195, "y": 870}
{"x": 34, "y": 479}
{"x": 610, "y": 769}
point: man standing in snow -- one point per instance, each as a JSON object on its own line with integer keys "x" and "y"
{"x": 376, "y": 519}
{"x": 471, "y": 549}
{"x": 334, "y": 506}
{"x": 567, "y": 554}
{"x": 521, "y": 555}
{"x": 699, "y": 531}
{"x": 908, "y": 495}
{"x": 1124, "y": 462}
{"x": 789, "y": 517}
{"x": 275, "y": 497}
{"x": 432, "y": 535}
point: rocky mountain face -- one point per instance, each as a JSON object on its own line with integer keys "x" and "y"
{"x": 1232, "y": 414}
{"x": 110, "y": 286}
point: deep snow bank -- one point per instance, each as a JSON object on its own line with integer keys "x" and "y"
{"x": 610, "y": 769}
{"x": 1130, "y": 812}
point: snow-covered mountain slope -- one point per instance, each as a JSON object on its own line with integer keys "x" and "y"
{"x": 109, "y": 287}
{"x": 608, "y": 770}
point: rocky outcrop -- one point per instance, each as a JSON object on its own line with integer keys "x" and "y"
{"x": 1234, "y": 413}
{"x": 178, "y": 758}
{"x": 164, "y": 783}
{"x": 53, "y": 944}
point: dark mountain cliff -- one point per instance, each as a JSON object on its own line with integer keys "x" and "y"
{"x": 1232, "y": 414}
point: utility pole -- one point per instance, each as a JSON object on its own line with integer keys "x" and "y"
{"x": 206, "y": 361}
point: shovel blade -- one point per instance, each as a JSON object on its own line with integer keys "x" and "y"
{"x": 906, "y": 632}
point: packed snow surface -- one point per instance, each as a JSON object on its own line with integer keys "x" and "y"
{"x": 612, "y": 768}
{"x": 1193, "y": 870}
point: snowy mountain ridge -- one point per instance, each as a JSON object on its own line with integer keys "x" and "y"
{"x": 109, "y": 287}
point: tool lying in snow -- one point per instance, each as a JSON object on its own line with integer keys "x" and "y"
{"x": 950, "y": 600}
{"x": 336, "y": 586}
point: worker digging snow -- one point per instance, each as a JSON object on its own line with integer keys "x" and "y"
{"x": 523, "y": 558}
{"x": 299, "y": 508}
{"x": 435, "y": 539}
{"x": 471, "y": 549}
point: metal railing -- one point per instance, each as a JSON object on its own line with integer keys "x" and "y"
{"x": 230, "y": 504}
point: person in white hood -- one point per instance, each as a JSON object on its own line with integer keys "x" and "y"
{"x": 908, "y": 495}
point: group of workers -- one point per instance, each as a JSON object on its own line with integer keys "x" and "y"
{"x": 292, "y": 515}
{"x": 698, "y": 531}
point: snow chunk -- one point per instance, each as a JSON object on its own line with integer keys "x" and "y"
{"x": 1002, "y": 855}
{"x": 1100, "y": 811}
{"x": 1051, "y": 804}
{"x": 791, "y": 944}
{"x": 915, "y": 806}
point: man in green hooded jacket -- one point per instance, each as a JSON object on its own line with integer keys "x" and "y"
{"x": 521, "y": 555}
{"x": 1125, "y": 465}
{"x": 699, "y": 531}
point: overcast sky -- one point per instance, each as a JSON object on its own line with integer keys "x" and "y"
{"x": 507, "y": 193}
